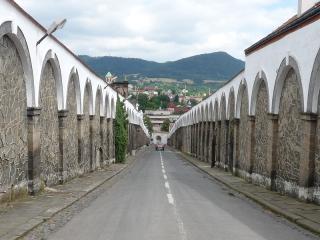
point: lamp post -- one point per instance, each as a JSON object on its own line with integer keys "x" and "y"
{"x": 54, "y": 27}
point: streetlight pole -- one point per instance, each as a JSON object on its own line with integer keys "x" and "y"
{"x": 54, "y": 27}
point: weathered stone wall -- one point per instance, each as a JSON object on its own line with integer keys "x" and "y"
{"x": 261, "y": 132}
{"x": 97, "y": 144}
{"x": 244, "y": 132}
{"x": 86, "y": 136}
{"x": 70, "y": 139}
{"x": 317, "y": 153}
{"x": 290, "y": 135}
{"x": 13, "y": 118}
{"x": 49, "y": 128}
{"x": 231, "y": 104}
{"x": 105, "y": 144}
{"x": 223, "y": 132}
{"x": 110, "y": 138}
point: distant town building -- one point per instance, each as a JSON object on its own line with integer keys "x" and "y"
{"x": 157, "y": 118}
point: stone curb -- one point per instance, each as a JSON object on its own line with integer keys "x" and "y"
{"x": 35, "y": 222}
{"x": 299, "y": 220}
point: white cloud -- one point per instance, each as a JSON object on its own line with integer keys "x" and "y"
{"x": 161, "y": 30}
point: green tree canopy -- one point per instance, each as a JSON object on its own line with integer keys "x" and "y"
{"x": 148, "y": 123}
{"x": 121, "y": 132}
{"x": 165, "y": 125}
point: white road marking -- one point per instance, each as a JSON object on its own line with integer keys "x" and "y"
{"x": 170, "y": 198}
{"x": 182, "y": 232}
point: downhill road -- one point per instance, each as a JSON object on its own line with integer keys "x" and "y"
{"x": 162, "y": 197}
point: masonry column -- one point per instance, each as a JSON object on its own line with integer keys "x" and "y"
{"x": 91, "y": 127}
{"x": 189, "y": 138}
{"x": 192, "y": 139}
{"x": 34, "y": 184}
{"x": 110, "y": 140}
{"x": 218, "y": 143}
{"x": 272, "y": 148}
{"x": 103, "y": 135}
{"x": 198, "y": 140}
{"x": 80, "y": 118}
{"x": 210, "y": 132}
{"x": 205, "y": 136}
{"x": 252, "y": 140}
{"x": 307, "y": 165}
{"x": 226, "y": 165}
{"x": 62, "y": 114}
{"x": 236, "y": 145}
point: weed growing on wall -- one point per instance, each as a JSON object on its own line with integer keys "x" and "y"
{"x": 121, "y": 132}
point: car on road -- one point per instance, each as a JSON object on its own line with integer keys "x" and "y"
{"x": 159, "y": 146}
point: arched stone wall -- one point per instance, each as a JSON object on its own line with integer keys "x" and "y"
{"x": 289, "y": 134}
{"x": 223, "y": 132}
{"x": 13, "y": 117}
{"x": 231, "y": 113}
{"x": 105, "y": 132}
{"x": 97, "y": 132}
{"x": 244, "y": 129}
{"x": 317, "y": 151}
{"x": 260, "y": 161}
{"x": 49, "y": 127}
{"x": 217, "y": 134}
{"x": 70, "y": 139}
{"x": 86, "y": 136}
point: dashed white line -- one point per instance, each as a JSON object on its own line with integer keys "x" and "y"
{"x": 182, "y": 232}
{"x": 170, "y": 198}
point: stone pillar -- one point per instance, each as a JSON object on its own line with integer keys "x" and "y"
{"x": 91, "y": 127}
{"x": 198, "y": 141}
{"x": 236, "y": 151}
{"x": 227, "y": 146}
{"x": 218, "y": 143}
{"x": 205, "y": 145}
{"x": 189, "y": 138}
{"x": 103, "y": 136}
{"x": 252, "y": 141}
{"x": 231, "y": 145}
{"x": 80, "y": 118}
{"x": 62, "y": 115}
{"x": 109, "y": 141}
{"x": 33, "y": 116}
{"x": 273, "y": 129}
{"x": 192, "y": 140}
{"x": 307, "y": 164}
{"x": 210, "y": 135}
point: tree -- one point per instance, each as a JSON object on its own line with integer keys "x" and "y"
{"x": 176, "y": 99}
{"x": 148, "y": 123}
{"x": 165, "y": 125}
{"x": 121, "y": 132}
{"x": 193, "y": 102}
{"x": 143, "y": 100}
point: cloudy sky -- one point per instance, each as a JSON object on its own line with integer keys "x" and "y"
{"x": 161, "y": 30}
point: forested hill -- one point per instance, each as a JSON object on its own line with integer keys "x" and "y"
{"x": 212, "y": 66}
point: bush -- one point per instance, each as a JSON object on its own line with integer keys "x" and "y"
{"x": 121, "y": 132}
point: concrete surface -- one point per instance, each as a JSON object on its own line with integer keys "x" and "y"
{"x": 162, "y": 196}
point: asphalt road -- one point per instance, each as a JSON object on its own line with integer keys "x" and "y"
{"x": 163, "y": 197}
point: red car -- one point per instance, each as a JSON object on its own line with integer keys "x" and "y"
{"x": 159, "y": 146}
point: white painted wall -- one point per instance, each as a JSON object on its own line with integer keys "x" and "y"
{"x": 67, "y": 61}
{"x": 302, "y": 45}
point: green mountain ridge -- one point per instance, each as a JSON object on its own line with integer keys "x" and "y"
{"x": 218, "y": 66}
